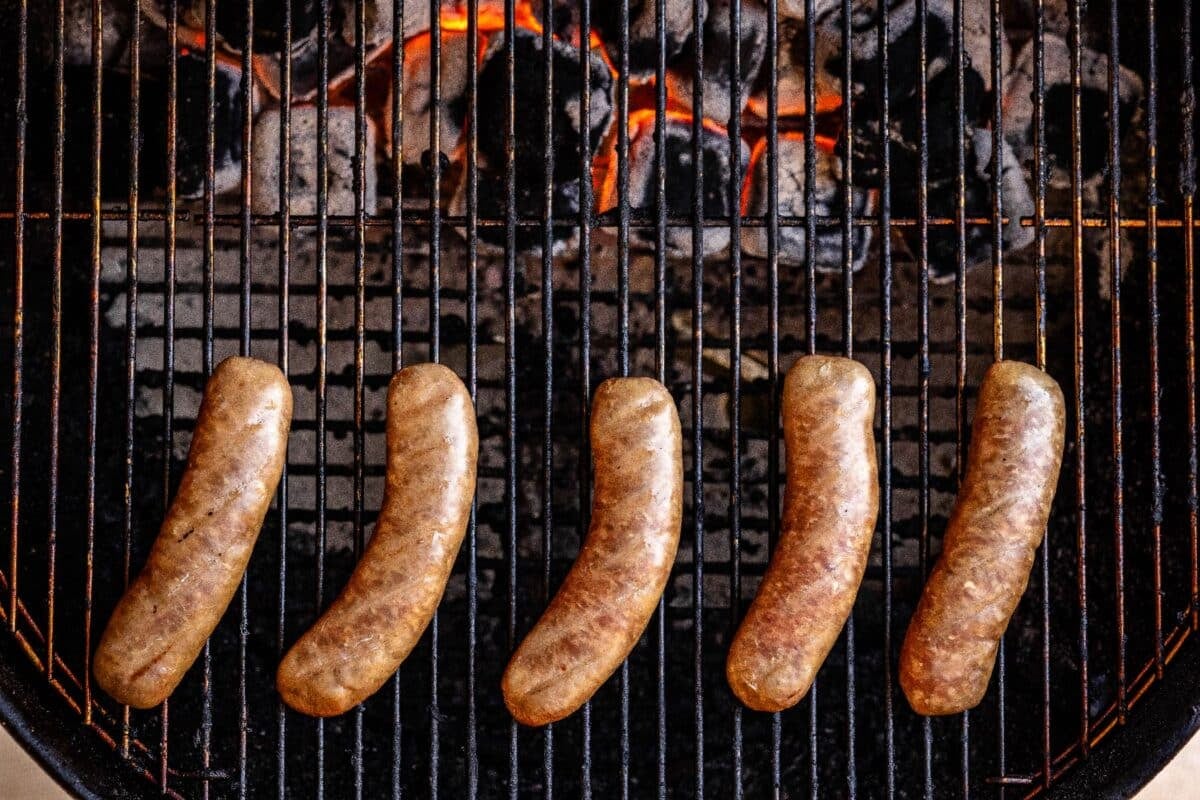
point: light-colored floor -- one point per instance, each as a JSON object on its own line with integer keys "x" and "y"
{"x": 24, "y": 779}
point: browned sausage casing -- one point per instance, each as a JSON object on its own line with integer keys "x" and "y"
{"x": 237, "y": 454}
{"x": 830, "y": 506}
{"x": 356, "y": 645}
{"x": 998, "y": 522}
{"x": 607, "y": 598}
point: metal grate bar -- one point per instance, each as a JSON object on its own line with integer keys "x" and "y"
{"x": 131, "y": 321}
{"x": 1039, "y": 168}
{"x": 93, "y": 364}
{"x": 244, "y": 324}
{"x": 623, "y": 307}
{"x": 1188, "y": 168}
{"x": 322, "y": 331}
{"x": 548, "y": 346}
{"x": 56, "y": 338}
{"x": 923, "y": 369}
{"x": 585, "y": 325}
{"x": 360, "y": 446}
{"x": 510, "y": 360}
{"x": 18, "y": 366}
{"x": 285, "y": 267}
{"x": 773, "y": 333}
{"x": 660, "y": 353}
{"x": 697, "y": 397}
{"x": 397, "y": 291}
{"x": 169, "y": 339}
{"x": 1078, "y": 396}
{"x": 1156, "y": 490}
{"x": 472, "y": 138}
{"x": 885, "y": 379}
{"x": 1114, "y": 211}
{"x": 735, "y": 362}
{"x": 960, "y": 296}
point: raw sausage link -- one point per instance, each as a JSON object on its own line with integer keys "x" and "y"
{"x": 998, "y": 522}
{"x": 830, "y": 506}
{"x": 356, "y": 645}
{"x": 200, "y": 555}
{"x": 613, "y": 588}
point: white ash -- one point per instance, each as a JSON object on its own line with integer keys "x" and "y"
{"x": 718, "y": 60}
{"x": 304, "y": 176}
{"x": 417, "y": 94}
{"x": 827, "y": 196}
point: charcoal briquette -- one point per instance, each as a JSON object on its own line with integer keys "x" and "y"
{"x": 1016, "y": 200}
{"x": 417, "y": 94}
{"x": 718, "y": 89}
{"x": 268, "y": 23}
{"x": 721, "y": 197}
{"x": 193, "y": 120}
{"x": 792, "y": 66}
{"x": 341, "y": 162}
{"x": 1019, "y": 90}
{"x": 570, "y": 145}
{"x": 605, "y": 20}
{"x": 77, "y": 30}
{"x": 828, "y": 202}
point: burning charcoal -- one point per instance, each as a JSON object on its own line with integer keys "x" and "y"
{"x": 1019, "y": 90}
{"x": 530, "y": 152}
{"x": 718, "y": 47}
{"x": 940, "y": 80}
{"x": 304, "y": 176}
{"x": 643, "y": 28}
{"x": 828, "y": 198}
{"x": 77, "y": 30}
{"x": 943, "y": 241}
{"x": 454, "y": 14}
{"x": 792, "y": 64}
{"x": 417, "y": 93}
{"x": 681, "y": 176}
{"x": 192, "y": 120}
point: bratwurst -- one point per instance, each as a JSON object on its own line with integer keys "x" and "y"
{"x": 830, "y": 505}
{"x": 356, "y": 645}
{"x": 609, "y": 595}
{"x": 237, "y": 454}
{"x": 998, "y": 522}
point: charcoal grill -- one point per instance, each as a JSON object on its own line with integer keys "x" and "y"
{"x": 114, "y": 311}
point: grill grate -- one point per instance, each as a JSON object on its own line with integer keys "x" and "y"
{"x": 99, "y": 420}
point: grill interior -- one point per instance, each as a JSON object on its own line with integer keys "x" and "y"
{"x": 114, "y": 311}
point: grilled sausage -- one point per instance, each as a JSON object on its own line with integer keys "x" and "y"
{"x": 237, "y": 454}
{"x": 356, "y": 645}
{"x": 830, "y": 506}
{"x": 997, "y": 524}
{"x": 607, "y": 599}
